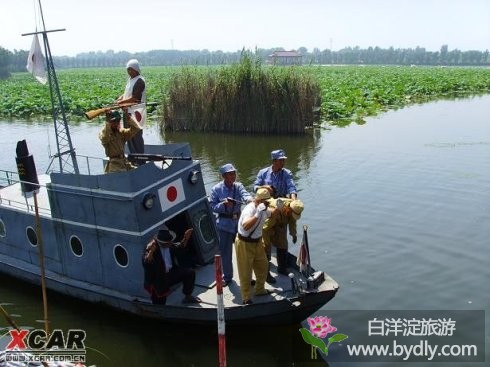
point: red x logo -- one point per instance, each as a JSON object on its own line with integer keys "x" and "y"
{"x": 17, "y": 339}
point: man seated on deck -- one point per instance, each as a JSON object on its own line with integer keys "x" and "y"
{"x": 162, "y": 271}
{"x": 113, "y": 138}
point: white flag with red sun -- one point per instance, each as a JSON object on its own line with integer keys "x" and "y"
{"x": 171, "y": 194}
{"x": 139, "y": 113}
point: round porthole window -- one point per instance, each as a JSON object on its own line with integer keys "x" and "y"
{"x": 206, "y": 228}
{"x": 121, "y": 256}
{"x": 31, "y": 236}
{"x": 76, "y": 246}
{"x": 3, "y": 230}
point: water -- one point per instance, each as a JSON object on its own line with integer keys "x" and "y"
{"x": 398, "y": 211}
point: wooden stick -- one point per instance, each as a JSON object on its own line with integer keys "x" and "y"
{"x": 9, "y": 319}
{"x": 41, "y": 265}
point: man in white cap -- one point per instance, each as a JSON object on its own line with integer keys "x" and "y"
{"x": 135, "y": 92}
{"x": 226, "y": 201}
{"x": 277, "y": 179}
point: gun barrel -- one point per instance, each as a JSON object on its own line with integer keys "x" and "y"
{"x": 154, "y": 157}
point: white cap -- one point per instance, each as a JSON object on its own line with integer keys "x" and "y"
{"x": 133, "y": 64}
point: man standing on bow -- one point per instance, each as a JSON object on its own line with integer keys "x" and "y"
{"x": 277, "y": 179}
{"x": 226, "y": 201}
{"x": 249, "y": 247}
{"x": 135, "y": 92}
{"x": 275, "y": 231}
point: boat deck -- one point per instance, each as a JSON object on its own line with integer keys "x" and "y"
{"x": 205, "y": 288}
{"x": 12, "y": 196}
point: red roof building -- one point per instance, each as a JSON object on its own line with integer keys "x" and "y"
{"x": 285, "y": 58}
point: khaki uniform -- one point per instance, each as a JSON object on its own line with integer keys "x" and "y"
{"x": 113, "y": 143}
{"x": 251, "y": 258}
{"x": 274, "y": 231}
{"x": 250, "y": 254}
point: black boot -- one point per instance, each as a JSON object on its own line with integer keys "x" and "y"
{"x": 282, "y": 261}
{"x": 270, "y": 279}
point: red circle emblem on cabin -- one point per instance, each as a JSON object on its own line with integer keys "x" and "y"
{"x": 172, "y": 193}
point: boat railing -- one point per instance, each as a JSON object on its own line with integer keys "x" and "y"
{"x": 8, "y": 178}
{"x": 87, "y": 165}
{"x": 12, "y": 196}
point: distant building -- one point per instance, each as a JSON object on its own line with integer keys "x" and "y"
{"x": 285, "y": 58}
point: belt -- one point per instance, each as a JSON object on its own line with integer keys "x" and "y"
{"x": 248, "y": 239}
{"x": 229, "y": 215}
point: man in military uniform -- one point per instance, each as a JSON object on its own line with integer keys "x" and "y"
{"x": 113, "y": 138}
{"x": 275, "y": 231}
{"x": 249, "y": 247}
{"x": 277, "y": 179}
{"x": 226, "y": 201}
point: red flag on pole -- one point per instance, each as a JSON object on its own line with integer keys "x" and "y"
{"x": 302, "y": 259}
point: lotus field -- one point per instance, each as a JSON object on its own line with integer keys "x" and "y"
{"x": 346, "y": 93}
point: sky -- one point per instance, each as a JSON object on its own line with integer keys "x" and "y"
{"x": 231, "y": 25}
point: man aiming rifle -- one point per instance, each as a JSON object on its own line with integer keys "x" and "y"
{"x": 113, "y": 138}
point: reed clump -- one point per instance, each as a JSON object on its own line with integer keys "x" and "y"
{"x": 246, "y": 97}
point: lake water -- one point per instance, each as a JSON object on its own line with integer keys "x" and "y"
{"x": 398, "y": 211}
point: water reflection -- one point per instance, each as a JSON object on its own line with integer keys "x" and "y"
{"x": 398, "y": 211}
{"x": 250, "y": 153}
{"x": 119, "y": 339}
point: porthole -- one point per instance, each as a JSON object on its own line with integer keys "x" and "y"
{"x": 3, "y": 230}
{"x": 206, "y": 228}
{"x": 76, "y": 246}
{"x": 121, "y": 256}
{"x": 31, "y": 236}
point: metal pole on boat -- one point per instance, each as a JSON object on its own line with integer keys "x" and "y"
{"x": 66, "y": 153}
{"x": 221, "y": 312}
{"x": 307, "y": 246}
{"x": 41, "y": 265}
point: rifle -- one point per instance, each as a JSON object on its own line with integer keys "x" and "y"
{"x": 143, "y": 157}
{"x": 233, "y": 201}
{"x": 99, "y": 111}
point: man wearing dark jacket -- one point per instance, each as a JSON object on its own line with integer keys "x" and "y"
{"x": 161, "y": 271}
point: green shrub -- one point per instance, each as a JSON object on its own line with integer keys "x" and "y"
{"x": 246, "y": 97}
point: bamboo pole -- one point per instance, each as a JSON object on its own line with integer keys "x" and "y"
{"x": 41, "y": 264}
{"x": 8, "y": 318}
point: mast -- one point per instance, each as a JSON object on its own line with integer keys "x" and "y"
{"x": 65, "y": 153}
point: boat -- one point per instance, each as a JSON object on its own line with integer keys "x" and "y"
{"x": 92, "y": 229}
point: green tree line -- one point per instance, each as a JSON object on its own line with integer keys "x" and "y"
{"x": 15, "y": 61}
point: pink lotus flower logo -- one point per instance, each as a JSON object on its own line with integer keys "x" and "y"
{"x": 320, "y": 327}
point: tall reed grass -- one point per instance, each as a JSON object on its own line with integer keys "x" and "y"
{"x": 246, "y": 97}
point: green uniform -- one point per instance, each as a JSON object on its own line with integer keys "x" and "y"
{"x": 113, "y": 143}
